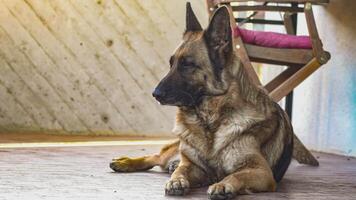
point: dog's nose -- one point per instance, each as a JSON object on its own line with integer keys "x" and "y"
{"x": 158, "y": 94}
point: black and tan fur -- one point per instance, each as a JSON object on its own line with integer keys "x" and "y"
{"x": 232, "y": 136}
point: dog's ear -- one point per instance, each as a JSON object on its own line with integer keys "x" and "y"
{"x": 192, "y": 23}
{"x": 218, "y": 33}
{"x": 218, "y": 37}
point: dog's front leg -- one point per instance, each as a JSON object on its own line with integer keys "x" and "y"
{"x": 186, "y": 175}
{"x": 255, "y": 177}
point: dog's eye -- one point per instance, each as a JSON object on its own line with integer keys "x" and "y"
{"x": 188, "y": 68}
{"x": 187, "y": 64}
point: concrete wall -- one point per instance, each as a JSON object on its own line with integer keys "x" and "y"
{"x": 325, "y": 104}
{"x": 87, "y": 66}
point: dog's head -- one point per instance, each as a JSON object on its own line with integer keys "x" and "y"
{"x": 198, "y": 66}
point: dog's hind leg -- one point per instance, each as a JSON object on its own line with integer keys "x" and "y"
{"x": 164, "y": 159}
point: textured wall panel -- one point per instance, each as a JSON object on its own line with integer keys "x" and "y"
{"x": 86, "y": 66}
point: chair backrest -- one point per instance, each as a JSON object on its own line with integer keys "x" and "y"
{"x": 317, "y": 47}
{"x": 301, "y": 62}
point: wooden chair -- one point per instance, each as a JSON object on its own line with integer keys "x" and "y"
{"x": 301, "y": 63}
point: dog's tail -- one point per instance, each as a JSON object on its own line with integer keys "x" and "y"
{"x": 302, "y": 154}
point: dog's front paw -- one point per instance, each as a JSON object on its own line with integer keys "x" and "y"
{"x": 121, "y": 165}
{"x": 221, "y": 191}
{"x": 177, "y": 187}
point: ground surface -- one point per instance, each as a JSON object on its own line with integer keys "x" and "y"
{"x": 83, "y": 173}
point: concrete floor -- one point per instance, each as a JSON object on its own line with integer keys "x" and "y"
{"x": 84, "y": 173}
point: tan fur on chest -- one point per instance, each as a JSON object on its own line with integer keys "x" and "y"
{"x": 217, "y": 142}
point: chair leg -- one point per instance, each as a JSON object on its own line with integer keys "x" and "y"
{"x": 290, "y": 24}
{"x": 241, "y": 51}
{"x": 318, "y": 50}
{"x": 288, "y": 106}
{"x": 278, "y": 80}
{"x": 292, "y": 82}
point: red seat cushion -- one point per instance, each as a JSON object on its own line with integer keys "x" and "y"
{"x": 273, "y": 40}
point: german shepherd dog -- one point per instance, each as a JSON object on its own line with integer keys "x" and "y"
{"x": 232, "y": 135}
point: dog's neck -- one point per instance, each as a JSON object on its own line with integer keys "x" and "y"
{"x": 241, "y": 93}
{"x": 247, "y": 90}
